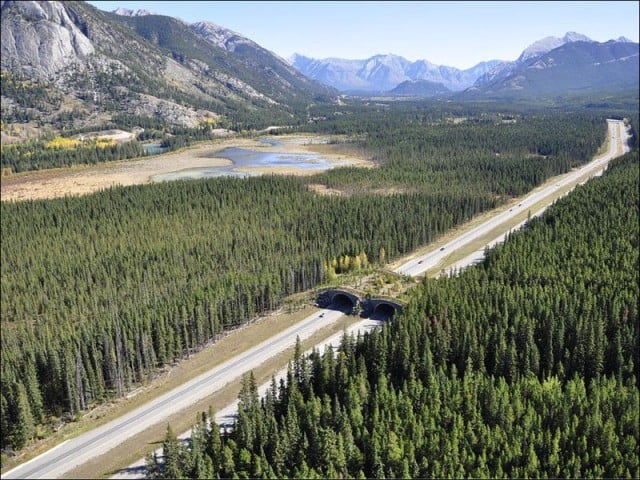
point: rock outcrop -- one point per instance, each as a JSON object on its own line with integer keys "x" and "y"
{"x": 43, "y": 37}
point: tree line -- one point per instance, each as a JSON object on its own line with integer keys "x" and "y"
{"x": 417, "y": 149}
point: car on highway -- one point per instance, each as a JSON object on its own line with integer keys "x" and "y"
{"x": 420, "y": 261}
{"x": 441, "y": 248}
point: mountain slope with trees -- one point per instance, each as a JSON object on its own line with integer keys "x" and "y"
{"x": 420, "y": 88}
{"x": 574, "y": 68}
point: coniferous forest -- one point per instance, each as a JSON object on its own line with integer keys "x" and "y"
{"x": 100, "y": 291}
{"x": 523, "y": 366}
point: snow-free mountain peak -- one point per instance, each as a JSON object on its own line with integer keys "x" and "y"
{"x": 126, "y": 12}
{"x": 575, "y": 67}
{"x": 575, "y": 37}
{"x": 529, "y": 54}
{"x": 220, "y": 36}
{"x": 547, "y": 44}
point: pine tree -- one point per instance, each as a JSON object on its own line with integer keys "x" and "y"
{"x": 171, "y": 451}
{"x": 23, "y": 428}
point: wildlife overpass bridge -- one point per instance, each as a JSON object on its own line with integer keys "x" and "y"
{"x": 353, "y": 301}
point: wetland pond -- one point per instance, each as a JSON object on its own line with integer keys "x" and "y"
{"x": 242, "y": 158}
{"x": 153, "y": 148}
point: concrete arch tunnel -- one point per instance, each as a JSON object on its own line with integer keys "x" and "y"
{"x": 344, "y": 300}
{"x": 383, "y": 308}
{"x": 340, "y": 299}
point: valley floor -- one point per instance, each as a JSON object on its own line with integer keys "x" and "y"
{"x": 80, "y": 180}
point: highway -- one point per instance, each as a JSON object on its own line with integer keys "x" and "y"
{"x": 72, "y": 453}
{"x": 478, "y": 255}
{"x": 418, "y": 266}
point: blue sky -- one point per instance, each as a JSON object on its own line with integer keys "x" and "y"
{"x": 458, "y": 34}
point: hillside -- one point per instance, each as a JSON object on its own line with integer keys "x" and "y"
{"x": 70, "y": 65}
{"x": 420, "y": 88}
{"x": 574, "y": 67}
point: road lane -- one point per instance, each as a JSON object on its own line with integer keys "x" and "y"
{"x": 478, "y": 255}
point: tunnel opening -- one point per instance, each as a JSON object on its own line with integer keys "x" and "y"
{"x": 383, "y": 311}
{"x": 342, "y": 302}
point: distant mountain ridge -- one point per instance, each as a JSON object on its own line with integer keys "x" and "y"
{"x": 536, "y": 49}
{"x": 385, "y": 72}
{"x": 420, "y": 88}
{"x": 126, "y": 12}
{"x": 549, "y": 43}
{"x": 576, "y": 67}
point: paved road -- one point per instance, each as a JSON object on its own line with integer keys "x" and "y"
{"x": 478, "y": 255}
{"x": 75, "y": 452}
{"x": 226, "y": 416}
{"x": 617, "y": 144}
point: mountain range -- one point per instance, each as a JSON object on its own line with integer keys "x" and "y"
{"x": 577, "y": 67}
{"x": 385, "y": 72}
{"x": 396, "y": 75}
